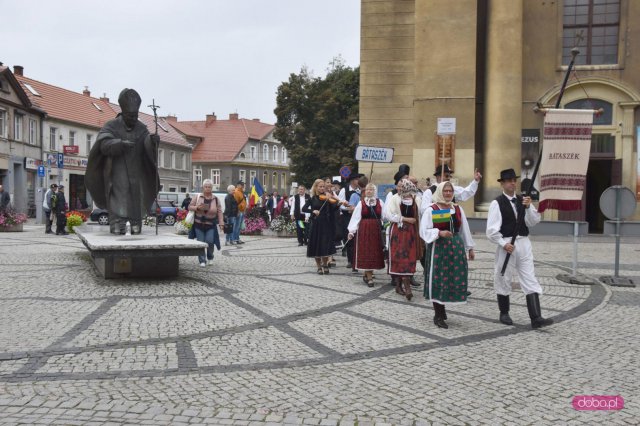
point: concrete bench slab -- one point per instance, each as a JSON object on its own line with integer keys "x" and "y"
{"x": 137, "y": 256}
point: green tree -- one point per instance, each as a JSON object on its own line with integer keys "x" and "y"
{"x": 315, "y": 120}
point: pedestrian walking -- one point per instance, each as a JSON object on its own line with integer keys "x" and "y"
{"x": 404, "y": 237}
{"x": 445, "y": 229}
{"x": 365, "y": 232}
{"x": 503, "y": 216}
{"x": 208, "y": 218}
{"x": 322, "y": 207}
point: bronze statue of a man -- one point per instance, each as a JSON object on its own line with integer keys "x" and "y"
{"x": 122, "y": 173}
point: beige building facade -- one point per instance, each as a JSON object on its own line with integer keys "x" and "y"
{"x": 487, "y": 63}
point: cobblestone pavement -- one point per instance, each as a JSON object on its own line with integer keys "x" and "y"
{"x": 259, "y": 338}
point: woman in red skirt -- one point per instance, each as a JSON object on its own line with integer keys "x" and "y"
{"x": 366, "y": 226}
{"x": 404, "y": 238}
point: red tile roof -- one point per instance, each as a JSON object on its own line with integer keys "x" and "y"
{"x": 65, "y": 105}
{"x": 223, "y": 139}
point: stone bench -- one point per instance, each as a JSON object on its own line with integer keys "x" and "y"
{"x": 144, "y": 255}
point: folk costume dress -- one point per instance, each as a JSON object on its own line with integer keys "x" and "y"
{"x": 322, "y": 234}
{"x": 446, "y": 270}
{"x": 404, "y": 238}
{"x": 366, "y": 224}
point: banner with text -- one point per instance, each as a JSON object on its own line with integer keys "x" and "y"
{"x": 563, "y": 169}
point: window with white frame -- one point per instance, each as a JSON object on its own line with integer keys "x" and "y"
{"x": 89, "y": 138}
{"x": 197, "y": 178}
{"x": 173, "y": 159}
{"x": 3, "y": 122}
{"x": 17, "y": 128}
{"x": 161, "y": 158}
{"x": 274, "y": 180}
{"x": 215, "y": 177}
{"x": 33, "y": 131}
{"x": 265, "y": 152}
{"x": 72, "y": 138}
{"x": 53, "y": 132}
{"x": 253, "y": 152}
{"x": 243, "y": 176}
{"x": 284, "y": 154}
{"x": 265, "y": 177}
{"x": 283, "y": 180}
{"x": 275, "y": 153}
{"x": 252, "y": 176}
{"x": 183, "y": 162}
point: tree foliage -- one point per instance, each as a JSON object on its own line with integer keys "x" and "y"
{"x": 315, "y": 120}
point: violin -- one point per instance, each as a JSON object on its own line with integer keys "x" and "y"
{"x": 325, "y": 197}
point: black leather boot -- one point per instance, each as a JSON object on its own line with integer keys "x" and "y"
{"x": 438, "y": 319}
{"x": 503, "y": 304}
{"x": 533, "y": 305}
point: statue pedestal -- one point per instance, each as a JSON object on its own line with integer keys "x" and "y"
{"x": 137, "y": 256}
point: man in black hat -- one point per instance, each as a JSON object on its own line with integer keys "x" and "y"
{"x": 46, "y": 207}
{"x": 122, "y": 174}
{"x": 443, "y": 174}
{"x": 501, "y": 226}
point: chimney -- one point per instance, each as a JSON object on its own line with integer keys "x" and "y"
{"x": 18, "y": 70}
{"x": 210, "y": 118}
{"x": 172, "y": 118}
{"x": 233, "y": 116}
{"x": 86, "y": 91}
{"x": 104, "y": 98}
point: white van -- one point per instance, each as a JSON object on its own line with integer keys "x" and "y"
{"x": 178, "y": 197}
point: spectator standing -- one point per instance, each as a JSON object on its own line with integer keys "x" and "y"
{"x": 60, "y": 209}
{"x": 242, "y": 206}
{"x": 186, "y": 202}
{"x": 5, "y": 199}
{"x": 302, "y": 219}
{"x": 230, "y": 214}
{"x": 47, "y": 207}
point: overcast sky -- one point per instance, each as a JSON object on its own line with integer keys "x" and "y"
{"x": 194, "y": 57}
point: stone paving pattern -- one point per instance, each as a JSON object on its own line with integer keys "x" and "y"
{"x": 259, "y": 338}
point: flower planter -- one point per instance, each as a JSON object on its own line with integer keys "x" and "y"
{"x": 12, "y": 228}
{"x": 285, "y": 234}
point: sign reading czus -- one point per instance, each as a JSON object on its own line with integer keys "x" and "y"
{"x": 374, "y": 154}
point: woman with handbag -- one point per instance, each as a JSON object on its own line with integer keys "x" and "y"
{"x": 208, "y": 214}
{"x": 230, "y": 214}
{"x": 322, "y": 207}
{"x": 366, "y": 227}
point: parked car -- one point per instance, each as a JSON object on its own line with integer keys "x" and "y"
{"x": 167, "y": 213}
{"x": 99, "y": 215}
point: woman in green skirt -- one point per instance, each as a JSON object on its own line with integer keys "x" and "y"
{"x": 445, "y": 229}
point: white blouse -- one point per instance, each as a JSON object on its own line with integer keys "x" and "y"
{"x": 429, "y": 234}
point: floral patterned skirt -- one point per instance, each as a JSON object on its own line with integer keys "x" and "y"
{"x": 404, "y": 246}
{"x": 446, "y": 271}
